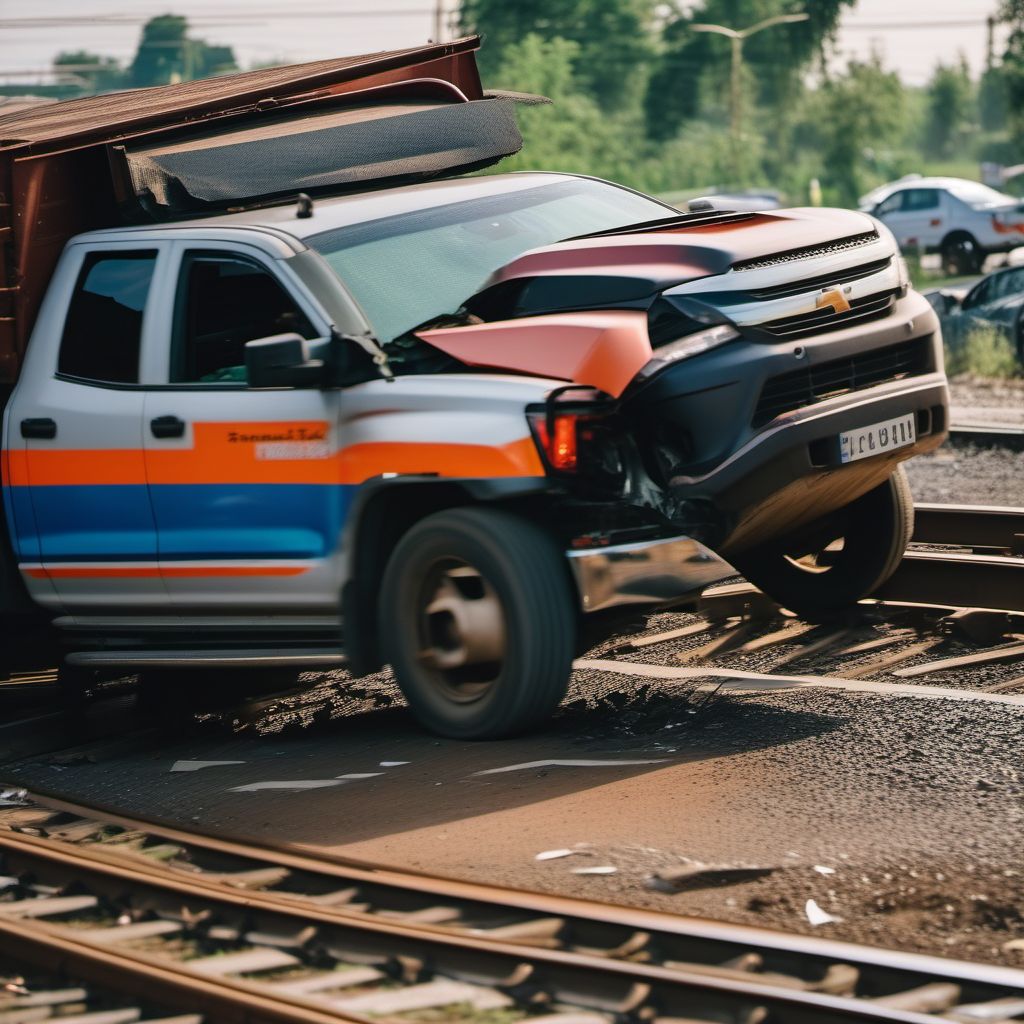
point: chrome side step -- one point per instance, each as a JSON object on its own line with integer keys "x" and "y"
{"x": 298, "y": 658}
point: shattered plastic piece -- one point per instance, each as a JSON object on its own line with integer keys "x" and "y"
{"x": 600, "y": 869}
{"x": 526, "y": 765}
{"x": 673, "y": 880}
{"x": 555, "y": 854}
{"x": 393, "y": 764}
{"x": 194, "y": 766}
{"x": 823, "y": 870}
{"x": 818, "y": 916}
{"x": 13, "y": 797}
{"x": 294, "y": 784}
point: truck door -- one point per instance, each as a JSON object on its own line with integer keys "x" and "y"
{"x": 86, "y": 533}
{"x": 243, "y": 481}
{"x": 917, "y": 220}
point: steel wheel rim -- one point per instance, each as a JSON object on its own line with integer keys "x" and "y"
{"x": 461, "y": 635}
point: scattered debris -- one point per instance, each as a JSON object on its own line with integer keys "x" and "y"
{"x": 700, "y": 876}
{"x": 355, "y": 776}
{"x": 581, "y": 763}
{"x": 818, "y": 916}
{"x": 1013, "y": 944}
{"x": 823, "y": 870}
{"x": 195, "y": 766}
{"x": 600, "y": 869}
{"x": 13, "y": 797}
{"x": 555, "y": 854}
{"x": 393, "y": 764}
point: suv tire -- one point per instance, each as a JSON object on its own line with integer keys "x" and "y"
{"x": 875, "y": 531}
{"x": 479, "y": 622}
{"x": 961, "y": 255}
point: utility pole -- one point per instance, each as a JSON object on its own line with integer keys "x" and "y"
{"x": 439, "y": 26}
{"x": 737, "y": 39}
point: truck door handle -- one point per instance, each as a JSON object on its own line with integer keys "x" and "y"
{"x": 43, "y": 428}
{"x": 167, "y": 426}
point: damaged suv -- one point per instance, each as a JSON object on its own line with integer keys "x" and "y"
{"x": 468, "y": 424}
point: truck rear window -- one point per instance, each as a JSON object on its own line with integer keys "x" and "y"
{"x": 103, "y": 330}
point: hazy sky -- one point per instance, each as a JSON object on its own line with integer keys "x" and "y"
{"x": 911, "y": 34}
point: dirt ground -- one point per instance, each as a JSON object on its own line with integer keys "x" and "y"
{"x": 901, "y": 816}
{"x": 986, "y": 401}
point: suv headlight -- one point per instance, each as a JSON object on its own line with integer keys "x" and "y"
{"x": 687, "y": 347}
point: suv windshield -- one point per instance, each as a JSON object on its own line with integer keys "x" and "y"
{"x": 407, "y": 269}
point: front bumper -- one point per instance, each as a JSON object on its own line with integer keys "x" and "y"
{"x": 657, "y": 572}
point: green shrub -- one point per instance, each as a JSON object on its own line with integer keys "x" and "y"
{"x": 981, "y": 352}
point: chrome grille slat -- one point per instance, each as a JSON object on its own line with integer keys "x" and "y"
{"x": 821, "y": 320}
{"x": 835, "y": 278}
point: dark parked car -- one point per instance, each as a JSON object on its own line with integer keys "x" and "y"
{"x": 996, "y": 301}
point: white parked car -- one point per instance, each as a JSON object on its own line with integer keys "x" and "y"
{"x": 962, "y": 220}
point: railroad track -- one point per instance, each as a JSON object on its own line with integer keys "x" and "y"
{"x": 987, "y": 436}
{"x": 273, "y": 934}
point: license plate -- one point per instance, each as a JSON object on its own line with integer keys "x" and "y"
{"x": 877, "y": 438}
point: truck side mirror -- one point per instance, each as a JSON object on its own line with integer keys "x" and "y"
{"x": 282, "y": 361}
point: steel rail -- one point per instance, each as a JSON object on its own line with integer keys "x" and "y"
{"x": 970, "y": 526}
{"x": 696, "y": 945}
{"x": 145, "y": 977}
{"x": 985, "y": 436}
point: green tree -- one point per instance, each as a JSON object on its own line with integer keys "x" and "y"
{"x": 101, "y": 74}
{"x": 693, "y": 66}
{"x": 951, "y": 111}
{"x": 167, "y": 54}
{"x": 614, "y": 40}
{"x": 854, "y": 118}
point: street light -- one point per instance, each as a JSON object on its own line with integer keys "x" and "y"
{"x": 737, "y": 38}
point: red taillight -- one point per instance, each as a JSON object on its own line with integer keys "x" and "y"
{"x": 560, "y": 442}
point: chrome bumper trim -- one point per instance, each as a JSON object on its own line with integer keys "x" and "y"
{"x": 648, "y": 572}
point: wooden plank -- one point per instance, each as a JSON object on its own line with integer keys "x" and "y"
{"x": 1008, "y": 652}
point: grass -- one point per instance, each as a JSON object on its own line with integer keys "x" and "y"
{"x": 982, "y": 352}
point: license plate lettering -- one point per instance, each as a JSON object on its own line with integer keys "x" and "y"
{"x": 877, "y": 438}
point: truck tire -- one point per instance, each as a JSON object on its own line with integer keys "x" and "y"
{"x": 875, "y": 531}
{"x": 478, "y": 622}
{"x": 961, "y": 255}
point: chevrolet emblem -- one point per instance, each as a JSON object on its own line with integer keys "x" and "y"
{"x": 834, "y": 299}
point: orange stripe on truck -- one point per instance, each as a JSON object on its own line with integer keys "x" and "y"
{"x": 217, "y": 459}
{"x": 154, "y": 571}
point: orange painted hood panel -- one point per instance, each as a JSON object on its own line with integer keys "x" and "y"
{"x": 604, "y": 349}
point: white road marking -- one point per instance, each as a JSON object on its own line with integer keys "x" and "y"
{"x": 360, "y": 775}
{"x": 565, "y": 764}
{"x": 761, "y": 681}
{"x": 194, "y": 766}
{"x": 292, "y": 784}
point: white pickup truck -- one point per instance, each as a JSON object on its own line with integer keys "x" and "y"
{"x": 463, "y": 426}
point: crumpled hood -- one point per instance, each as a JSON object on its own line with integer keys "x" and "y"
{"x": 623, "y": 268}
{"x": 578, "y": 310}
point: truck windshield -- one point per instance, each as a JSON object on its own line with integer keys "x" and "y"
{"x": 407, "y": 269}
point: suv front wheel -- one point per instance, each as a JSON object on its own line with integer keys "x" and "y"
{"x": 478, "y": 621}
{"x": 829, "y": 565}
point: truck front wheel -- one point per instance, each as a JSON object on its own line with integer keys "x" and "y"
{"x": 478, "y": 622}
{"x": 831, "y": 564}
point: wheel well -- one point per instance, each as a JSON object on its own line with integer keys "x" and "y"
{"x": 960, "y": 235}
{"x": 380, "y": 520}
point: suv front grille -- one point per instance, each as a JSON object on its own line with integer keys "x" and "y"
{"x": 834, "y": 280}
{"x": 819, "y": 321}
{"x": 808, "y": 252}
{"x": 813, "y": 384}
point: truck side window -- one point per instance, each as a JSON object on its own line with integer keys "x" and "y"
{"x": 223, "y": 302}
{"x": 103, "y": 330}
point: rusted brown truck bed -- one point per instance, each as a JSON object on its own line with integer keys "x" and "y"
{"x": 63, "y": 167}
